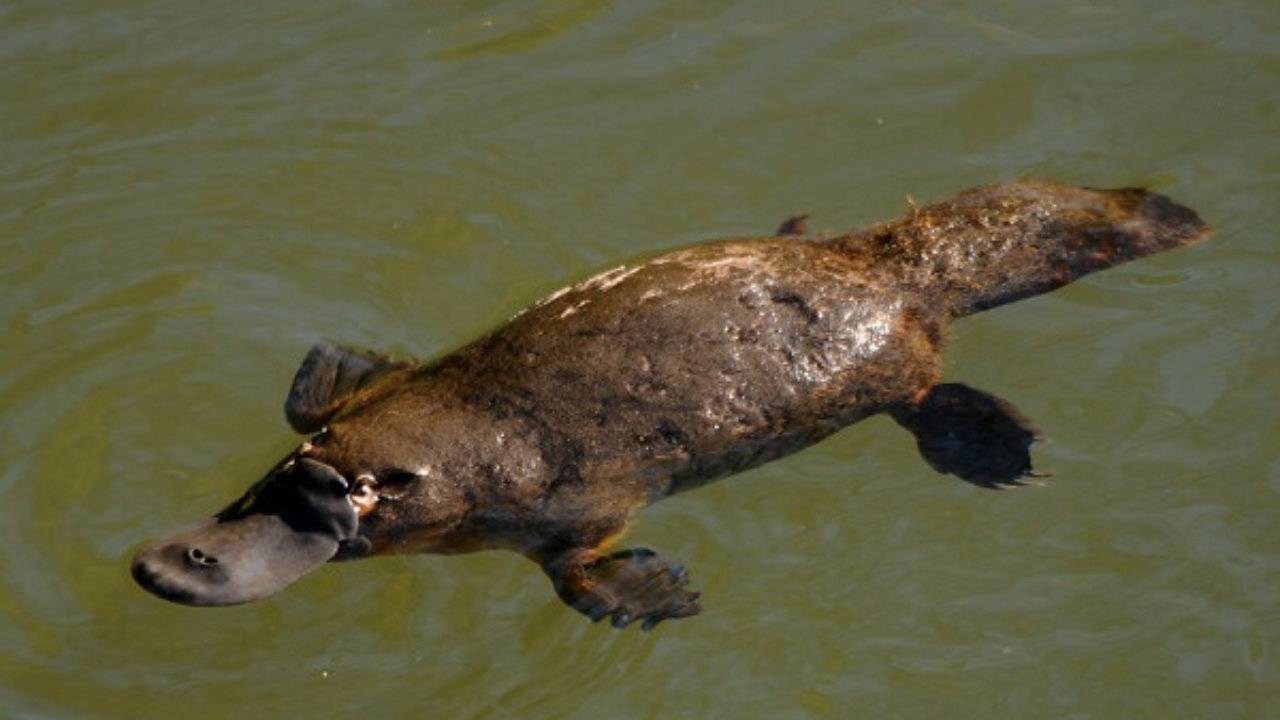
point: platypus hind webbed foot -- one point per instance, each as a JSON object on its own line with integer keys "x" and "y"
{"x": 971, "y": 434}
{"x": 627, "y": 586}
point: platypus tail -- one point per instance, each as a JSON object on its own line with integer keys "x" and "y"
{"x": 998, "y": 243}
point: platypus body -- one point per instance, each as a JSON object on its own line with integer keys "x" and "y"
{"x": 546, "y": 436}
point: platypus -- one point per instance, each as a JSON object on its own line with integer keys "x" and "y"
{"x": 547, "y": 435}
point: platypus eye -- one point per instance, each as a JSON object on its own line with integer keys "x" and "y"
{"x": 198, "y": 557}
{"x": 362, "y": 494}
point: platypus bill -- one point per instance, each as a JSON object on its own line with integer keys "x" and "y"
{"x": 547, "y": 435}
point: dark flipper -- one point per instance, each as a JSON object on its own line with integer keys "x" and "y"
{"x": 971, "y": 434}
{"x": 630, "y": 585}
{"x": 327, "y": 377}
{"x": 794, "y": 225}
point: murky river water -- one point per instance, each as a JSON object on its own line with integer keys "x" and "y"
{"x": 192, "y": 193}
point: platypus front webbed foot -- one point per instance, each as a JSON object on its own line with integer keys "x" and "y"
{"x": 971, "y": 434}
{"x": 627, "y": 586}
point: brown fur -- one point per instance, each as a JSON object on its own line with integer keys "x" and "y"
{"x": 653, "y": 378}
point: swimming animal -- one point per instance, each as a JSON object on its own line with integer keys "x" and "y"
{"x": 547, "y": 435}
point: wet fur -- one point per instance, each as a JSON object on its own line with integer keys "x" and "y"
{"x": 654, "y": 378}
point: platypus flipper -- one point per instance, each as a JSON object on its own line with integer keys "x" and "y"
{"x": 326, "y": 379}
{"x": 629, "y": 585}
{"x": 971, "y": 434}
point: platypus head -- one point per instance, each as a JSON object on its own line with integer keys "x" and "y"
{"x": 290, "y": 522}
{"x": 316, "y": 505}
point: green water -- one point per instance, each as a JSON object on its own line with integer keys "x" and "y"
{"x": 192, "y": 193}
